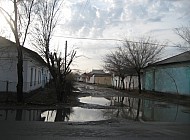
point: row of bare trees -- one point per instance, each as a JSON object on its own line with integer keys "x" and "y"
{"x": 38, "y": 19}
{"x": 131, "y": 57}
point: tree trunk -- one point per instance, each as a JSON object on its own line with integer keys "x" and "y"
{"x": 138, "y": 110}
{"x": 139, "y": 80}
{"x": 58, "y": 91}
{"x": 20, "y": 75}
{"x": 20, "y": 57}
{"x": 119, "y": 83}
{"x": 19, "y": 114}
{"x": 123, "y": 82}
{"x": 130, "y": 78}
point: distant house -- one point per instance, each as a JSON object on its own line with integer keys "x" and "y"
{"x": 99, "y": 77}
{"x": 77, "y": 77}
{"x": 171, "y": 75}
{"x": 35, "y": 71}
{"x": 83, "y": 77}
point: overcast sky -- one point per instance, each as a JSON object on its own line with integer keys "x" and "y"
{"x": 117, "y": 19}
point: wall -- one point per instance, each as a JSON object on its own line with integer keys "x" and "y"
{"x": 107, "y": 80}
{"x": 8, "y": 71}
{"x": 170, "y": 79}
{"x": 91, "y": 80}
{"x": 134, "y": 82}
{"x": 32, "y": 81}
{"x": 149, "y": 80}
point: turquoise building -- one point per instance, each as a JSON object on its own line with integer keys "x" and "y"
{"x": 171, "y": 75}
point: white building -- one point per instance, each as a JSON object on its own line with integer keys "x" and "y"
{"x": 132, "y": 80}
{"x": 35, "y": 71}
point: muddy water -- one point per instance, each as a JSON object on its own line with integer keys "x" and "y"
{"x": 75, "y": 114}
{"x": 123, "y": 107}
{"x": 95, "y": 100}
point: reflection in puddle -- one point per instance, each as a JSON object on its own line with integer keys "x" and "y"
{"x": 164, "y": 112}
{"x": 20, "y": 115}
{"x": 75, "y": 114}
{"x": 49, "y": 116}
{"x": 124, "y": 107}
{"x": 88, "y": 87}
{"x": 83, "y": 115}
{"x": 95, "y": 100}
{"x": 78, "y": 115}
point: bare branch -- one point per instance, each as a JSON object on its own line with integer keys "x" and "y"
{"x": 28, "y": 12}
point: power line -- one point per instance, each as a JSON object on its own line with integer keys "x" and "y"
{"x": 86, "y": 38}
{"x": 112, "y": 39}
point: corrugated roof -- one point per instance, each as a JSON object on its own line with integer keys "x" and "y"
{"x": 183, "y": 57}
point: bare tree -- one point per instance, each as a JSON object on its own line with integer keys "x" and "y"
{"x": 138, "y": 55}
{"x": 19, "y": 23}
{"x": 60, "y": 68}
{"x": 47, "y": 19}
{"x": 114, "y": 63}
{"x": 184, "y": 33}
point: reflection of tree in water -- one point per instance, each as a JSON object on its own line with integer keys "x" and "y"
{"x": 128, "y": 108}
{"x": 63, "y": 114}
{"x": 138, "y": 109}
{"x": 6, "y": 114}
{"x": 18, "y": 115}
{"x": 159, "y": 111}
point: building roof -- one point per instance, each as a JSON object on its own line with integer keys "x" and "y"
{"x": 177, "y": 59}
{"x": 7, "y": 43}
{"x": 97, "y": 72}
{"x": 183, "y": 57}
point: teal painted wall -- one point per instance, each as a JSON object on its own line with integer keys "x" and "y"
{"x": 169, "y": 79}
{"x": 149, "y": 80}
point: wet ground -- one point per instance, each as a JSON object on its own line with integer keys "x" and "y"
{"x": 102, "y": 114}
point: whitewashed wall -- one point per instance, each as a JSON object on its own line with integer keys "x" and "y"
{"x": 134, "y": 82}
{"x": 91, "y": 80}
{"x": 8, "y": 71}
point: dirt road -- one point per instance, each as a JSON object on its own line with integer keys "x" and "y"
{"x": 111, "y": 129}
{"x": 105, "y": 130}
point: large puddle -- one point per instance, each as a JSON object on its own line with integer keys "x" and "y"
{"x": 124, "y": 107}
{"x": 75, "y": 114}
{"x": 95, "y": 100}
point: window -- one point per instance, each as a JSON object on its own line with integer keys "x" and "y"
{"x": 39, "y": 76}
{"x": 31, "y": 76}
{"x": 47, "y": 75}
{"x": 35, "y": 77}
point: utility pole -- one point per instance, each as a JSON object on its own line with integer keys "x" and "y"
{"x": 65, "y": 57}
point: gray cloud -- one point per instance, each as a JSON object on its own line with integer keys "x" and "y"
{"x": 121, "y": 18}
{"x": 91, "y": 18}
{"x": 155, "y": 19}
